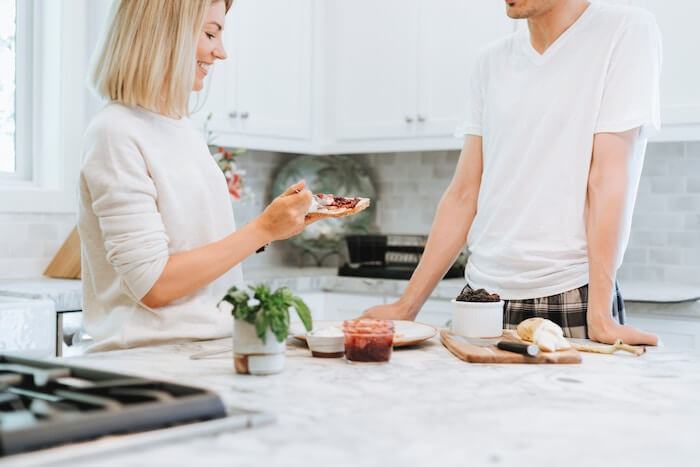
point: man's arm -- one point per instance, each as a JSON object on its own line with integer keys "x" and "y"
{"x": 448, "y": 234}
{"x": 607, "y": 200}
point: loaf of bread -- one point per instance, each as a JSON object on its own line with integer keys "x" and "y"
{"x": 543, "y": 332}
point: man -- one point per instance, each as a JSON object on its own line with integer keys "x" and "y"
{"x": 546, "y": 181}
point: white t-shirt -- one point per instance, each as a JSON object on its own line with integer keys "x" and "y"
{"x": 148, "y": 189}
{"x": 537, "y": 115}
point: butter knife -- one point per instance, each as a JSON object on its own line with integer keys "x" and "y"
{"x": 529, "y": 350}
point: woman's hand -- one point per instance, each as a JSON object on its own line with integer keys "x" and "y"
{"x": 285, "y": 216}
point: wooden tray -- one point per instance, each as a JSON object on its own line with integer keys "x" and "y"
{"x": 492, "y": 354}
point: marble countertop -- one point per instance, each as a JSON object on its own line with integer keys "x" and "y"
{"x": 67, "y": 294}
{"x": 426, "y": 407}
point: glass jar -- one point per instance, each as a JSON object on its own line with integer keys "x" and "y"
{"x": 368, "y": 340}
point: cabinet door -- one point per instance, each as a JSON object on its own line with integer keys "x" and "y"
{"x": 273, "y": 67}
{"x": 451, "y": 34}
{"x": 680, "y": 75}
{"x": 371, "y": 59}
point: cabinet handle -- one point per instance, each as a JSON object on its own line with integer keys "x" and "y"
{"x": 233, "y": 115}
{"x": 244, "y": 115}
{"x": 409, "y": 119}
{"x": 421, "y": 118}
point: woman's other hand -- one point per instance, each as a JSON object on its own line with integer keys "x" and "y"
{"x": 285, "y": 216}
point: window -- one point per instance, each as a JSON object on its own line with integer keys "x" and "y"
{"x": 43, "y": 55}
{"x": 8, "y": 21}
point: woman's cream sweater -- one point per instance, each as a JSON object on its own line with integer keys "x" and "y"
{"x": 148, "y": 189}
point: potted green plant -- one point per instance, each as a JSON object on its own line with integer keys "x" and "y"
{"x": 261, "y": 326}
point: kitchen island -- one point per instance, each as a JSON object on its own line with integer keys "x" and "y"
{"x": 425, "y": 407}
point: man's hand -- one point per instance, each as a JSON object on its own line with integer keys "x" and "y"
{"x": 390, "y": 311}
{"x": 607, "y": 331}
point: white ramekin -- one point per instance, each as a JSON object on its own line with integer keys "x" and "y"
{"x": 477, "y": 319}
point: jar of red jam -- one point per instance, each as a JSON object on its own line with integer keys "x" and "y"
{"x": 368, "y": 340}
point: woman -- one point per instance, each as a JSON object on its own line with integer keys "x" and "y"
{"x": 159, "y": 243}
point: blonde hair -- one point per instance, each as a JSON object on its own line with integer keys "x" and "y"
{"x": 147, "y": 56}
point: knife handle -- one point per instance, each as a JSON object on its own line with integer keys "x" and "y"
{"x": 529, "y": 350}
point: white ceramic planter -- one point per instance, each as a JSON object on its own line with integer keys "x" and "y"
{"x": 251, "y": 355}
{"x": 477, "y": 319}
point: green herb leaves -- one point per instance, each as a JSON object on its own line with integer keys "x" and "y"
{"x": 267, "y": 310}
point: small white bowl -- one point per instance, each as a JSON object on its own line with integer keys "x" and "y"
{"x": 328, "y": 346}
{"x": 477, "y": 319}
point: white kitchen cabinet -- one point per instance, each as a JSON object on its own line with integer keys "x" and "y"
{"x": 338, "y": 76}
{"x": 680, "y": 94}
{"x": 263, "y": 89}
{"x": 450, "y": 36}
{"x": 273, "y": 68}
{"x": 372, "y": 64}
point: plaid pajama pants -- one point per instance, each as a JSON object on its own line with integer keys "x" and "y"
{"x": 567, "y": 309}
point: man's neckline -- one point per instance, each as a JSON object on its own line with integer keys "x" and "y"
{"x": 557, "y": 44}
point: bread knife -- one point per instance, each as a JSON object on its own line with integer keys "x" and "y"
{"x": 529, "y": 350}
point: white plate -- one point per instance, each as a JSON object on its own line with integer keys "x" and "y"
{"x": 405, "y": 332}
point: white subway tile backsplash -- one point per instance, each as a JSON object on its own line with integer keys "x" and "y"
{"x": 13, "y": 229}
{"x": 642, "y": 273}
{"x": 693, "y": 150}
{"x": 667, "y": 185}
{"x": 647, "y": 202}
{"x": 444, "y": 171}
{"x": 684, "y": 167}
{"x": 39, "y": 232}
{"x": 658, "y": 221}
{"x": 665, "y": 151}
{"x": 685, "y": 203}
{"x": 684, "y": 239}
{"x": 692, "y": 222}
{"x": 12, "y": 268}
{"x": 693, "y": 185}
{"x": 655, "y": 167}
{"x": 663, "y": 256}
{"x": 690, "y": 257}
{"x": 637, "y": 255}
{"x": 641, "y": 238}
{"x": 681, "y": 275}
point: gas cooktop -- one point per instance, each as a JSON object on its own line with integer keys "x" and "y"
{"x": 43, "y": 404}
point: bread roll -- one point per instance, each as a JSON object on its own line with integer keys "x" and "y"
{"x": 543, "y": 332}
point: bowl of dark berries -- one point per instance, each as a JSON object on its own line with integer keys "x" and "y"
{"x": 477, "y": 313}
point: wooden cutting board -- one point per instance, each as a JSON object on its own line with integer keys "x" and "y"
{"x": 492, "y": 354}
{"x": 66, "y": 263}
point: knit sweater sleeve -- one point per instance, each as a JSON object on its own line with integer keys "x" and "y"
{"x": 124, "y": 199}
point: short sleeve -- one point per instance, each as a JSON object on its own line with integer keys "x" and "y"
{"x": 123, "y": 198}
{"x": 472, "y": 123}
{"x": 631, "y": 90}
